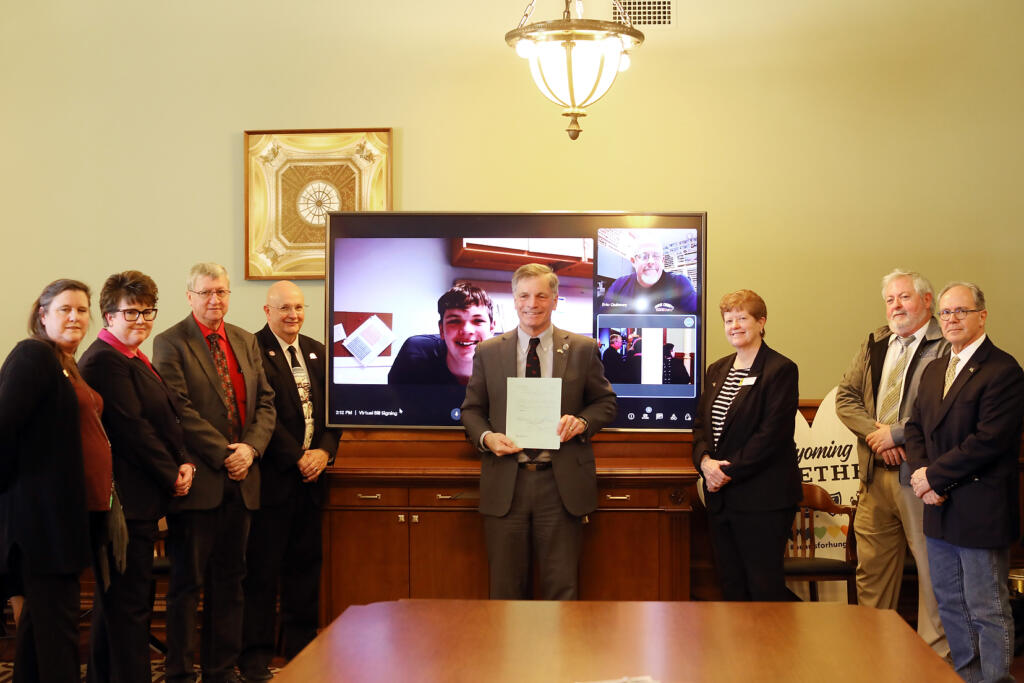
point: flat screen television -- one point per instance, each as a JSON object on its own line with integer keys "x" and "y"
{"x": 411, "y": 294}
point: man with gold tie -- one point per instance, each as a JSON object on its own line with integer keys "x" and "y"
{"x": 874, "y": 400}
{"x": 963, "y": 439}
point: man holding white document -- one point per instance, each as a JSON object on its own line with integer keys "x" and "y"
{"x": 536, "y": 396}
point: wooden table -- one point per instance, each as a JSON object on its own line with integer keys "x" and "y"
{"x": 482, "y": 641}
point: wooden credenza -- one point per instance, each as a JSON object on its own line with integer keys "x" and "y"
{"x": 402, "y": 522}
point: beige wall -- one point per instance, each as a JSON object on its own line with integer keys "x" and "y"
{"x": 828, "y": 141}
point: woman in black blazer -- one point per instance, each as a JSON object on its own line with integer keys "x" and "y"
{"x": 743, "y": 446}
{"x": 44, "y": 523}
{"x": 141, "y": 417}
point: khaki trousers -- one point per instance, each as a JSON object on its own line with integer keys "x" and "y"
{"x": 889, "y": 519}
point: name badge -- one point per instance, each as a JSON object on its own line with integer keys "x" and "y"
{"x": 747, "y": 381}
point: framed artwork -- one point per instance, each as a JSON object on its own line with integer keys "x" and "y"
{"x": 293, "y": 179}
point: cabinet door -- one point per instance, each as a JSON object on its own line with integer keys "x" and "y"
{"x": 620, "y": 555}
{"x": 448, "y": 557}
{"x": 368, "y": 558}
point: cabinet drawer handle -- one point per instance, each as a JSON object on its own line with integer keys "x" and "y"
{"x": 609, "y": 496}
{"x": 444, "y": 496}
{"x": 368, "y": 496}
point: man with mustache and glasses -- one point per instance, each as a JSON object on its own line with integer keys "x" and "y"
{"x": 874, "y": 400}
{"x": 963, "y": 439}
{"x": 228, "y": 417}
{"x": 465, "y": 318}
{"x": 650, "y": 289}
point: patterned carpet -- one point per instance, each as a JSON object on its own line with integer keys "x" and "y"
{"x": 7, "y": 671}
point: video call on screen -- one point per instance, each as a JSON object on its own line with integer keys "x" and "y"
{"x": 396, "y": 360}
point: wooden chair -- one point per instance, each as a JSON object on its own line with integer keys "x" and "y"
{"x": 801, "y": 564}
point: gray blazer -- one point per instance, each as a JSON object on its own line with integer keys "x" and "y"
{"x": 858, "y": 391}
{"x": 182, "y": 357}
{"x": 585, "y": 393}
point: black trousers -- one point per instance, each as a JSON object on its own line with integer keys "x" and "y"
{"x": 749, "y": 549}
{"x": 536, "y": 526}
{"x": 284, "y": 549}
{"x": 121, "y": 617}
{"x": 47, "y": 645}
{"x": 207, "y": 551}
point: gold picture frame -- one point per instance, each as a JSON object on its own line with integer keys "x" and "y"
{"x": 293, "y": 179}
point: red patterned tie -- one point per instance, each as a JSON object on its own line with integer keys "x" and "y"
{"x": 220, "y": 361}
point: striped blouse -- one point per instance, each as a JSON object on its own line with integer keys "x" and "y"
{"x": 720, "y": 407}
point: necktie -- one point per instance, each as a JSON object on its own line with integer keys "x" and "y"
{"x": 220, "y": 361}
{"x": 532, "y": 359}
{"x": 950, "y": 374}
{"x": 532, "y": 370}
{"x": 303, "y": 387}
{"x": 889, "y": 411}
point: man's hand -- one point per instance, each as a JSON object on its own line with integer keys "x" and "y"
{"x": 893, "y": 456}
{"x": 881, "y": 439}
{"x": 714, "y": 477}
{"x": 919, "y": 480}
{"x": 239, "y": 461}
{"x": 312, "y": 463}
{"x": 570, "y": 426}
{"x": 932, "y": 498}
{"x": 184, "y": 481}
{"x": 500, "y": 445}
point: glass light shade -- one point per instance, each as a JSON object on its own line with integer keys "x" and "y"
{"x": 574, "y": 61}
{"x": 575, "y": 74}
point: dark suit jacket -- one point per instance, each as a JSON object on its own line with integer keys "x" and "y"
{"x": 757, "y": 438}
{"x": 142, "y": 417}
{"x": 184, "y": 361}
{"x": 585, "y": 393}
{"x": 280, "y": 478}
{"x": 969, "y": 442}
{"x": 42, "y": 507}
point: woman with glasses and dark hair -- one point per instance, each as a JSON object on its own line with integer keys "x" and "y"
{"x": 55, "y": 467}
{"x": 743, "y": 447}
{"x": 151, "y": 467}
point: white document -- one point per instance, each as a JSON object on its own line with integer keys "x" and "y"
{"x": 369, "y": 339}
{"x": 339, "y": 332}
{"x": 532, "y": 411}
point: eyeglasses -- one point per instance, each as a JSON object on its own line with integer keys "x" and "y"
{"x": 958, "y": 313}
{"x": 298, "y": 308}
{"x": 648, "y": 256}
{"x": 132, "y": 314}
{"x": 207, "y": 293}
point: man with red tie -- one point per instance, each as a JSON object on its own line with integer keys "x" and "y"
{"x": 228, "y": 417}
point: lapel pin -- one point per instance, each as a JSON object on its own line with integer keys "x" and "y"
{"x": 271, "y": 353}
{"x": 312, "y": 356}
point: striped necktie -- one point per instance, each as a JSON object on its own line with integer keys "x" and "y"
{"x": 889, "y": 411}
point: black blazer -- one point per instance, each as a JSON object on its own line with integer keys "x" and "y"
{"x": 42, "y": 507}
{"x": 142, "y": 416}
{"x": 280, "y": 477}
{"x": 969, "y": 442}
{"x": 757, "y": 438}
